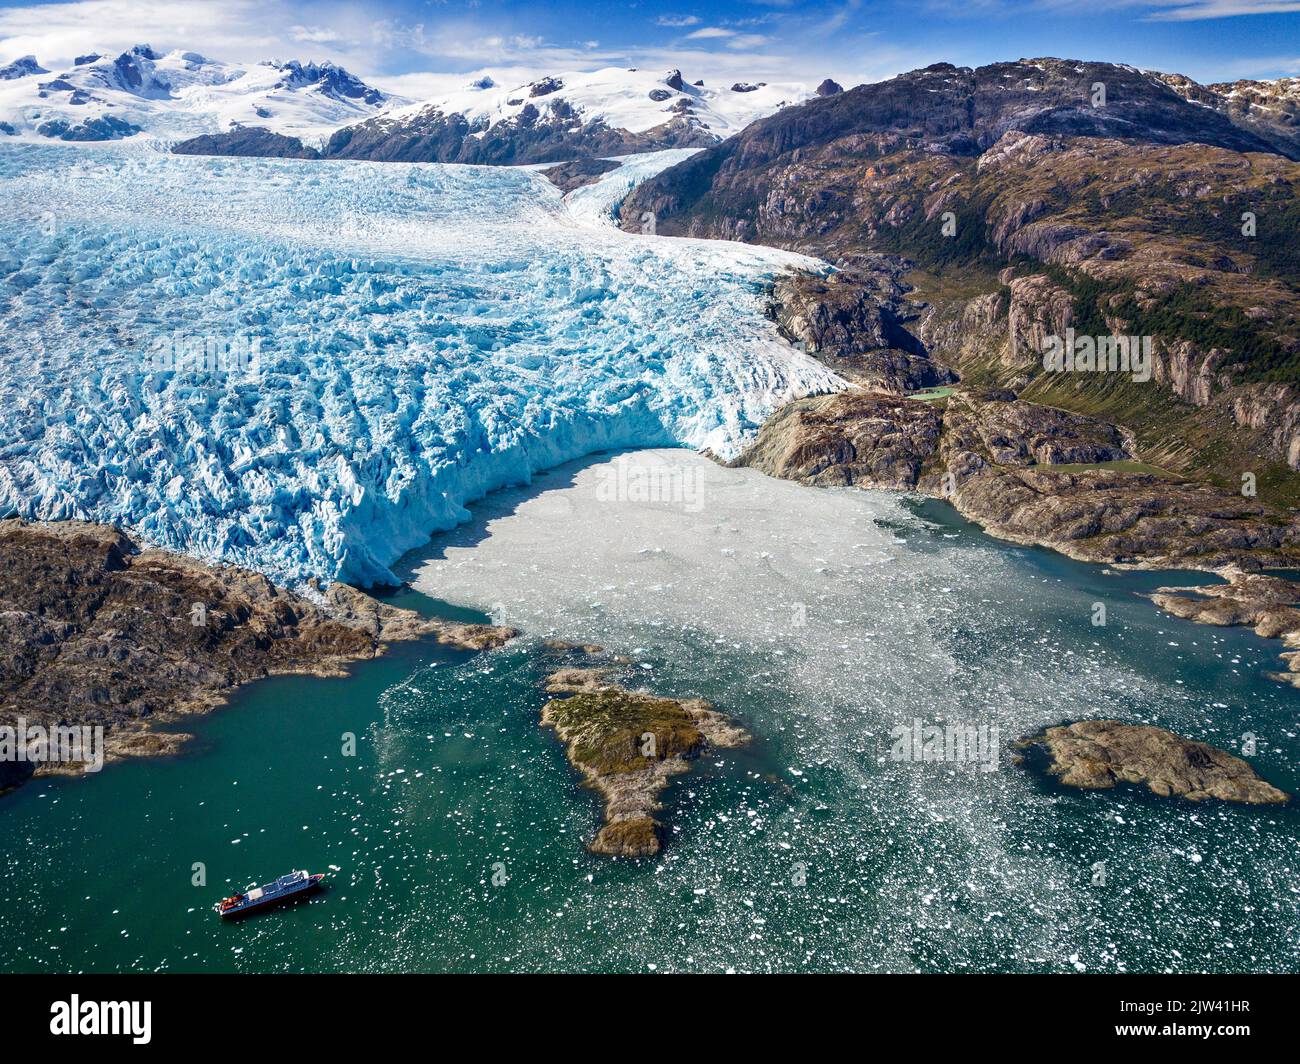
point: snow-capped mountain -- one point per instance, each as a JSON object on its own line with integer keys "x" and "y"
{"x": 559, "y": 117}
{"x": 634, "y": 100}
{"x": 179, "y": 95}
{"x": 603, "y": 112}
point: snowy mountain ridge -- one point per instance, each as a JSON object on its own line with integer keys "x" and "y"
{"x": 179, "y": 94}
{"x": 581, "y": 115}
{"x": 631, "y": 99}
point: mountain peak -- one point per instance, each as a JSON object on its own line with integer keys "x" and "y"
{"x": 21, "y": 68}
{"x": 333, "y": 80}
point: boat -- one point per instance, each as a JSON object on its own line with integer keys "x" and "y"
{"x": 289, "y": 887}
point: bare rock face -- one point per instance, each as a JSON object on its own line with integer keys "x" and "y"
{"x": 391, "y": 624}
{"x": 1017, "y": 433}
{"x": 1097, "y": 754}
{"x": 1038, "y": 309}
{"x": 578, "y": 172}
{"x": 628, "y": 745}
{"x": 854, "y": 320}
{"x": 97, "y": 631}
{"x": 1273, "y": 409}
{"x": 873, "y": 441}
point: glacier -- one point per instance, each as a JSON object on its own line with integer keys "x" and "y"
{"x": 408, "y": 337}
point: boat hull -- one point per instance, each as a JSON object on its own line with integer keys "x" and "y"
{"x": 272, "y": 901}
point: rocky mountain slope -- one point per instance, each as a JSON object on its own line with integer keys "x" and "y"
{"x": 553, "y": 119}
{"x": 1019, "y": 202}
{"x": 179, "y": 94}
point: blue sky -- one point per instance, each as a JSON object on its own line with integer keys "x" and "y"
{"x": 417, "y": 46}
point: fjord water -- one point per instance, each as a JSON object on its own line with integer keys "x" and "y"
{"x": 808, "y": 850}
{"x": 429, "y": 333}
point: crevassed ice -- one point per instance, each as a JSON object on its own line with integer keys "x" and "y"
{"x": 308, "y": 368}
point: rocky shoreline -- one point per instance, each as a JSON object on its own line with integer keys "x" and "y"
{"x": 100, "y": 631}
{"x": 1268, "y": 604}
{"x": 628, "y": 745}
{"x": 1026, "y": 472}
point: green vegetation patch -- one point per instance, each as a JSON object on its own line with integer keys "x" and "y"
{"x": 932, "y": 394}
{"x": 1187, "y": 312}
{"x": 605, "y": 729}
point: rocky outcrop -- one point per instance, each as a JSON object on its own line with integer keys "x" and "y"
{"x": 1098, "y": 754}
{"x": 628, "y": 745}
{"x": 1272, "y": 410}
{"x": 855, "y": 321}
{"x": 997, "y": 430}
{"x": 22, "y": 67}
{"x": 1268, "y": 604}
{"x": 96, "y": 630}
{"x": 568, "y": 176}
{"x": 995, "y": 464}
{"x": 1036, "y": 310}
{"x": 853, "y": 437}
{"x": 829, "y": 88}
{"x": 1027, "y": 473}
{"x": 104, "y": 127}
{"x": 248, "y": 141}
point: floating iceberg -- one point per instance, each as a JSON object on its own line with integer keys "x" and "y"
{"x": 309, "y": 368}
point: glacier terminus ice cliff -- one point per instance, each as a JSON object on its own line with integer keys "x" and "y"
{"x": 309, "y": 368}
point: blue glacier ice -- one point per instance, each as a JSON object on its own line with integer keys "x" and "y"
{"x": 309, "y": 368}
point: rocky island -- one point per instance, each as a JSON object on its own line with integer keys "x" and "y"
{"x": 1098, "y": 754}
{"x": 628, "y": 745}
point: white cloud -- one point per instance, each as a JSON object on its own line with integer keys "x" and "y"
{"x": 450, "y": 48}
{"x": 313, "y": 34}
{"x": 57, "y": 32}
{"x": 1193, "y": 10}
{"x": 677, "y": 21}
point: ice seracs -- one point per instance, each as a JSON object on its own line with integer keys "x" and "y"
{"x": 415, "y": 336}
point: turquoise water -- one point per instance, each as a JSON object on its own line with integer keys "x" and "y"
{"x": 808, "y": 850}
